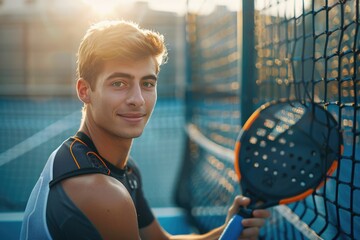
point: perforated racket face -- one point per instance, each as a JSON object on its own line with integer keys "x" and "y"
{"x": 285, "y": 150}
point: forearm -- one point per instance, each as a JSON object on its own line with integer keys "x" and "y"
{"x": 212, "y": 235}
{"x": 251, "y": 226}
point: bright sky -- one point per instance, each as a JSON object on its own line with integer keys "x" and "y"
{"x": 106, "y": 6}
{"x": 179, "y": 6}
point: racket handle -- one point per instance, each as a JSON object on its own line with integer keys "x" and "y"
{"x": 234, "y": 227}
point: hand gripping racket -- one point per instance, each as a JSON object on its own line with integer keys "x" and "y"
{"x": 285, "y": 151}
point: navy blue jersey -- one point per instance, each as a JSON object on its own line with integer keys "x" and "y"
{"x": 50, "y": 213}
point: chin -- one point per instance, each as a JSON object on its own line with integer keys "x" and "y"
{"x": 135, "y": 135}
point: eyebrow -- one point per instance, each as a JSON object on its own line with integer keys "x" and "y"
{"x": 129, "y": 76}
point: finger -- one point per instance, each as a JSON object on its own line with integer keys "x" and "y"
{"x": 234, "y": 208}
{"x": 253, "y": 222}
{"x": 238, "y": 201}
{"x": 250, "y": 233}
{"x": 241, "y": 201}
{"x": 261, "y": 213}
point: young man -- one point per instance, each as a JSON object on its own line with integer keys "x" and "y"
{"x": 90, "y": 188}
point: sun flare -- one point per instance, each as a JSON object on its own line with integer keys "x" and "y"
{"x": 106, "y": 7}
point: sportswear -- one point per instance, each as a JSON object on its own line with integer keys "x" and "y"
{"x": 51, "y": 214}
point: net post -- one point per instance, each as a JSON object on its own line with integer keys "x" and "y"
{"x": 246, "y": 63}
{"x": 188, "y": 63}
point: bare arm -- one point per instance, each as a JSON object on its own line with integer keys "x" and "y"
{"x": 106, "y": 203}
{"x": 251, "y": 231}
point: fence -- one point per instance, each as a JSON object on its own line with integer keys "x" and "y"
{"x": 264, "y": 51}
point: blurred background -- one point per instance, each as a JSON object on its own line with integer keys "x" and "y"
{"x": 38, "y": 103}
{"x": 226, "y": 58}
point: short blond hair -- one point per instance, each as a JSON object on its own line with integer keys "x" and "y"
{"x": 117, "y": 40}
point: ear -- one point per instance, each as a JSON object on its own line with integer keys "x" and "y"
{"x": 83, "y": 90}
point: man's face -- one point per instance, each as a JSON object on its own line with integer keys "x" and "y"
{"x": 124, "y": 97}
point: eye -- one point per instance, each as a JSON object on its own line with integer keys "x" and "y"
{"x": 117, "y": 84}
{"x": 149, "y": 84}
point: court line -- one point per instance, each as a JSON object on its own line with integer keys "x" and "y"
{"x": 169, "y": 212}
{"x": 294, "y": 219}
{"x": 40, "y": 137}
{"x": 159, "y": 212}
{"x": 11, "y": 216}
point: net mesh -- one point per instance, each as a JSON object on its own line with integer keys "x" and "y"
{"x": 208, "y": 180}
{"x": 34, "y": 127}
{"x": 31, "y": 130}
{"x": 302, "y": 50}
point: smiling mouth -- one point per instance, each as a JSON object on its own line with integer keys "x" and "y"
{"x": 132, "y": 117}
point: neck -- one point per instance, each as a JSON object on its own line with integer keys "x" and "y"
{"x": 114, "y": 149}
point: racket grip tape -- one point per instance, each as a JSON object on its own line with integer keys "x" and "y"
{"x": 234, "y": 227}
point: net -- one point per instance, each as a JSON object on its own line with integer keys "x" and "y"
{"x": 302, "y": 50}
{"x": 33, "y": 128}
{"x": 30, "y": 131}
{"x": 208, "y": 180}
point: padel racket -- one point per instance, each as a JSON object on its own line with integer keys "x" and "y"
{"x": 285, "y": 151}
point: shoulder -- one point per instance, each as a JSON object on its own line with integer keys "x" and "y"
{"x": 106, "y": 203}
{"x": 74, "y": 157}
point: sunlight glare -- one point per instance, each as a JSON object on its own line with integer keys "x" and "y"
{"x": 176, "y": 6}
{"x": 106, "y": 7}
{"x": 286, "y": 9}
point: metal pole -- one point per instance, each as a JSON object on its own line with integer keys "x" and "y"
{"x": 247, "y": 65}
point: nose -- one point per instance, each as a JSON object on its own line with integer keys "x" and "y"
{"x": 135, "y": 96}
